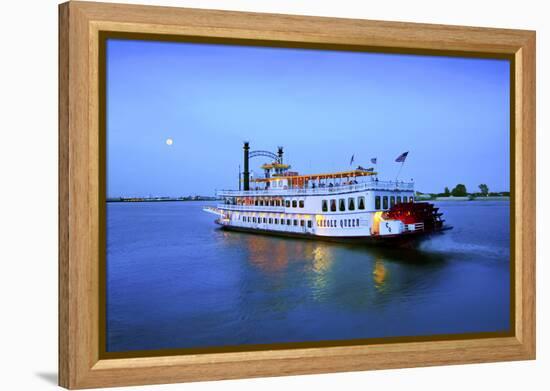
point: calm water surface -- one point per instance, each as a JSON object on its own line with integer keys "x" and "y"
{"x": 174, "y": 280}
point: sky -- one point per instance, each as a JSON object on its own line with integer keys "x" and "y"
{"x": 451, "y": 114}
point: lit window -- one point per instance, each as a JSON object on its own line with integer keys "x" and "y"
{"x": 325, "y": 206}
{"x": 411, "y": 199}
{"x": 333, "y": 205}
{"x": 385, "y": 202}
{"x": 351, "y": 204}
{"x": 342, "y": 205}
{"x": 361, "y": 203}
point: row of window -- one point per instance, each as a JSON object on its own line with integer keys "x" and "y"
{"x": 392, "y": 200}
{"x": 278, "y": 202}
{"x": 342, "y": 204}
{"x": 271, "y": 220}
{"x": 380, "y": 202}
{"x": 325, "y": 223}
{"x": 344, "y": 223}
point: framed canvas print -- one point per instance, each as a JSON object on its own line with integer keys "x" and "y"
{"x": 247, "y": 195}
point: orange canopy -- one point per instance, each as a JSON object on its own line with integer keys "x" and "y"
{"x": 309, "y": 177}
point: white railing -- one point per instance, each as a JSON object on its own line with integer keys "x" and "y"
{"x": 257, "y": 208}
{"x": 374, "y": 185}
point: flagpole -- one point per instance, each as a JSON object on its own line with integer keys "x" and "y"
{"x": 400, "y": 168}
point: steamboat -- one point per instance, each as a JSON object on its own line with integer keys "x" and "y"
{"x": 346, "y": 206}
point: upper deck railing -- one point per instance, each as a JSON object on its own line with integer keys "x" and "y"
{"x": 263, "y": 208}
{"x": 373, "y": 185}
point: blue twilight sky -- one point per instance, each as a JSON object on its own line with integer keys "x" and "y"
{"x": 452, "y": 114}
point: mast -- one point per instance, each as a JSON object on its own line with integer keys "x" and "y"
{"x": 246, "y": 182}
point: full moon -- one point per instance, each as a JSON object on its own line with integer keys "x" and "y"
{"x": 169, "y": 141}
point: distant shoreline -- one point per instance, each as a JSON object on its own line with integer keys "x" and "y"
{"x": 132, "y": 200}
{"x": 489, "y": 198}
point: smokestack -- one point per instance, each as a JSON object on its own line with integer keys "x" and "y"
{"x": 280, "y": 153}
{"x": 246, "y": 173}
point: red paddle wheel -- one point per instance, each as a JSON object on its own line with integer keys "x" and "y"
{"x": 417, "y": 213}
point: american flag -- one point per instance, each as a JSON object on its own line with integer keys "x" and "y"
{"x": 373, "y": 160}
{"x": 401, "y": 158}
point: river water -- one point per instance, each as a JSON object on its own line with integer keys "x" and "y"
{"x": 174, "y": 280}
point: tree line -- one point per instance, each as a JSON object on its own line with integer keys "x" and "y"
{"x": 460, "y": 190}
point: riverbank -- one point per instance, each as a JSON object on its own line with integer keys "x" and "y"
{"x": 489, "y": 198}
{"x": 163, "y": 199}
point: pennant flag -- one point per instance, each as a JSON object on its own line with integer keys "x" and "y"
{"x": 373, "y": 160}
{"x": 401, "y": 158}
{"x": 352, "y": 159}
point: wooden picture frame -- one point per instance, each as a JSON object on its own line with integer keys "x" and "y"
{"x": 81, "y": 166}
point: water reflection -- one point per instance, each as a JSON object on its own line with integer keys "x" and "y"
{"x": 379, "y": 274}
{"x": 322, "y": 259}
{"x": 268, "y": 256}
{"x": 349, "y": 276}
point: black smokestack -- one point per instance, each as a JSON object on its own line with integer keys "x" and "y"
{"x": 280, "y": 153}
{"x": 246, "y": 173}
